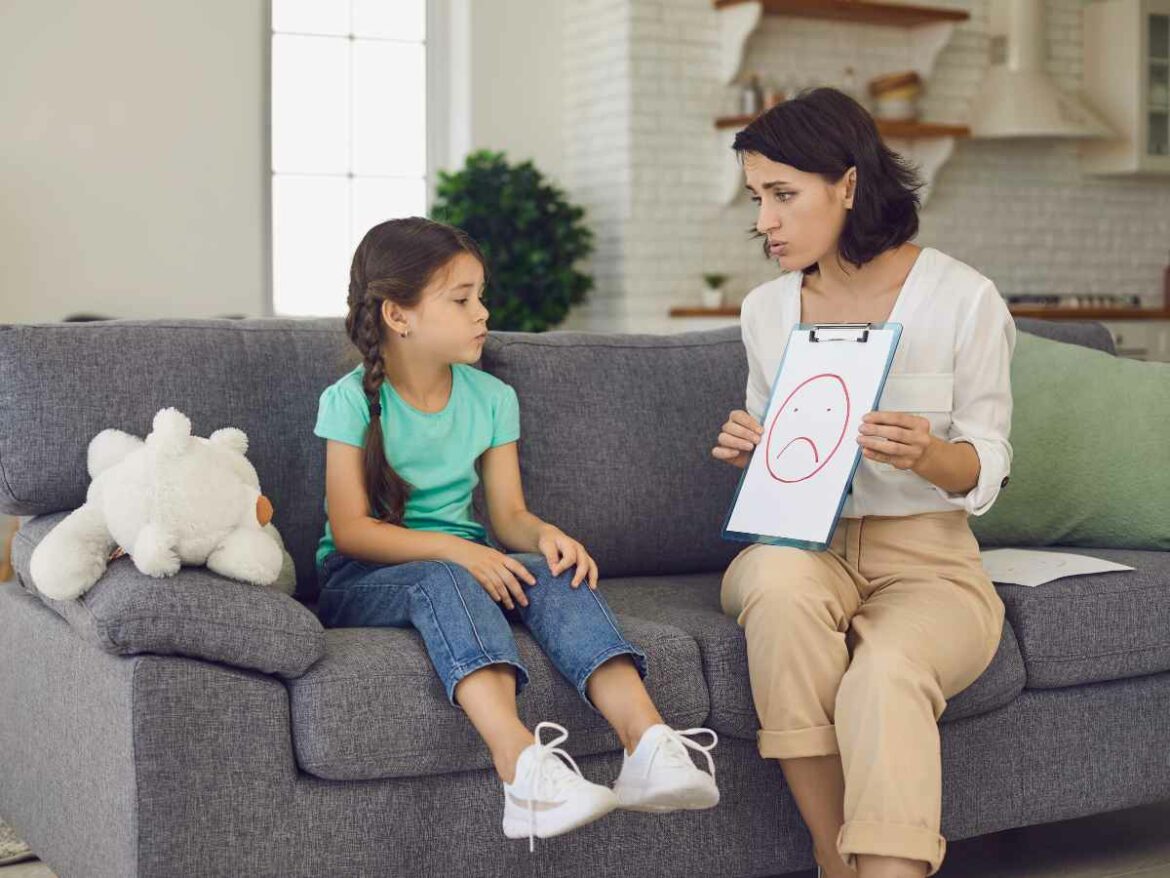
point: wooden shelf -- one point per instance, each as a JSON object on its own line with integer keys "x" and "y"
{"x": 699, "y": 311}
{"x": 894, "y": 128}
{"x": 864, "y": 11}
{"x": 1039, "y": 313}
{"x": 1091, "y": 313}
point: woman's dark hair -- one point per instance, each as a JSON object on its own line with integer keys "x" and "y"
{"x": 824, "y": 131}
{"x": 394, "y": 262}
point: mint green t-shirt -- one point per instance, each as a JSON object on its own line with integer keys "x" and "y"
{"x": 434, "y": 451}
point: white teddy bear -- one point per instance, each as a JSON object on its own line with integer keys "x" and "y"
{"x": 170, "y": 500}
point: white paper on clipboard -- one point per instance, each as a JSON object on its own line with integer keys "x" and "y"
{"x": 793, "y": 489}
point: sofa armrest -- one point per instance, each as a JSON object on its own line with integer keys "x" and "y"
{"x": 195, "y": 613}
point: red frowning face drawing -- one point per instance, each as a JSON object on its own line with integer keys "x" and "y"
{"x": 808, "y": 428}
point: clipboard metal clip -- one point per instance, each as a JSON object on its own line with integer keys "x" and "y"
{"x": 859, "y": 335}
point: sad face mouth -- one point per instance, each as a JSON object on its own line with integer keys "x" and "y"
{"x": 808, "y": 428}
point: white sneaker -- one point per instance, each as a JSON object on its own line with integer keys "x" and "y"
{"x": 660, "y": 775}
{"x": 545, "y": 798}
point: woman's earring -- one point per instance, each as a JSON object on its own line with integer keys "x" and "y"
{"x": 405, "y": 333}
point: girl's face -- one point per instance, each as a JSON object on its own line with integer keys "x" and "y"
{"x": 801, "y": 214}
{"x": 450, "y": 320}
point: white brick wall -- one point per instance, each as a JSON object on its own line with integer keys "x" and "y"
{"x": 642, "y": 91}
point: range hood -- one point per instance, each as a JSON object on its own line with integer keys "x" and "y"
{"x": 1016, "y": 98}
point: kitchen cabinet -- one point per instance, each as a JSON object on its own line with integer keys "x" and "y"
{"x": 1127, "y": 79}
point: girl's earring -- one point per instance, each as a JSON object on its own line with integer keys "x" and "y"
{"x": 405, "y": 333}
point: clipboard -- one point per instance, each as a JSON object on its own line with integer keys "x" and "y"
{"x": 793, "y": 489}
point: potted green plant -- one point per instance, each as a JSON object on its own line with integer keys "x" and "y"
{"x": 531, "y": 235}
{"x": 713, "y": 289}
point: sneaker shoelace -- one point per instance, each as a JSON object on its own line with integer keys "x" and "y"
{"x": 673, "y": 746}
{"x": 549, "y": 773}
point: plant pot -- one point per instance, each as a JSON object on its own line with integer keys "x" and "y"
{"x": 712, "y": 298}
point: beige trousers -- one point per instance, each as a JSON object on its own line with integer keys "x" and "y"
{"x": 855, "y": 650}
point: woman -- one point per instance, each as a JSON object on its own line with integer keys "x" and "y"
{"x": 854, "y": 651}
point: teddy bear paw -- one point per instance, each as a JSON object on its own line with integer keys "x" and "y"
{"x": 154, "y": 552}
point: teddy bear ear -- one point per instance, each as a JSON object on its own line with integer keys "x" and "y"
{"x": 231, "y": 437}
{"x": 170, "y": 432}
{"x": 108, "y": 448}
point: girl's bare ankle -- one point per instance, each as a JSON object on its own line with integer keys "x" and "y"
{"x": 507, "y": 756}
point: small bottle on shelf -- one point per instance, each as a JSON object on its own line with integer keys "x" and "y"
{"x": 751, "y": 97}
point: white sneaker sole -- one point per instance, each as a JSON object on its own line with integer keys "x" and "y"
{"x": 566, "y": 818}
{"x": 689, "y": 798}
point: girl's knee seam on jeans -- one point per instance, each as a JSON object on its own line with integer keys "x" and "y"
{"x": 463, "y": 603}
{"x": 605, "y": 612}
{"x": 438, "y": 627}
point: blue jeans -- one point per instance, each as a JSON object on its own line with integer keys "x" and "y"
{"x": 463, "y": 628}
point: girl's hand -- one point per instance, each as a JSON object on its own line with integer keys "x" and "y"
{"x": 552, "y": 541}
{"x": 738, "y": 439}
{"x": 495, "y": 571}
{"x": 896, "y": 438}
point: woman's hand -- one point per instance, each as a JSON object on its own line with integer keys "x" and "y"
{"x": 552, "y": 541}
{"x": 499, "y": 574}
{"x": 738, "y": 439}
{"x": 897, "y": 438}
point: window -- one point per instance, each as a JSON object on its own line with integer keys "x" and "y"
{"x": 349, "y": 138}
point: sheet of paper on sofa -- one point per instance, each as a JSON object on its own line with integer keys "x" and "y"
{"x": 1032, "y": 568}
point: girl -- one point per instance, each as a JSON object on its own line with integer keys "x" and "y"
{"x": 401, "y": 547}
{"x": 853, "y": 652}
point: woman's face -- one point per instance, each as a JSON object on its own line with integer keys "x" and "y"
{"x": 450, "y": 320}
{"x": 801, "y": 214}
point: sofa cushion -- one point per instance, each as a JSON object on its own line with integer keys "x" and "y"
{"x": 1092, "y": 460}
{"x": 195, "y": 613}
{"x": 615, "y": 440}
{"x": 691, "y": 603}
{"x": 1086, "y": 333}
{"x": 1085, "y": 629}
{"x": 374, "y": 706}
{"x": 263, "y": 375}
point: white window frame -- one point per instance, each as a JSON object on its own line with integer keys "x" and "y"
{"x": 447, "y": 47}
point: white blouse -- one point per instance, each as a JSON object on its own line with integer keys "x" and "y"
{"x": 952, "y": 366}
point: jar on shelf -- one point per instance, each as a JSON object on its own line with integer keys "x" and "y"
{"x": 896, "y": 95}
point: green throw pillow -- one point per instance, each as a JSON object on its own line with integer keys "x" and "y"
{"x": 1091, "y": 441}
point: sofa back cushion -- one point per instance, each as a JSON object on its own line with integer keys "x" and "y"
{"x": 62, "y": 383}
{"x": 615, "y": 441}
{"x": 1091, "y": 434}
{"x": 616, "y": 428}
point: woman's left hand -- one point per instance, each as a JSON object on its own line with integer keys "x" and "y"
{"x": 553, "y": 542}
{"x": 896, "y": 438}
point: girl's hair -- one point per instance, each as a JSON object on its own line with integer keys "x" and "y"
{"x": 824, "y": 131}
{"x": 394, "y": 262}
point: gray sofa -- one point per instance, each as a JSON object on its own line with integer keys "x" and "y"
{"x": 199, "y": 727}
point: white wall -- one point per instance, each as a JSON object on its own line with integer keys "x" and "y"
{"x": 517, "y": 91}
{"x": 134, "y": 158}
